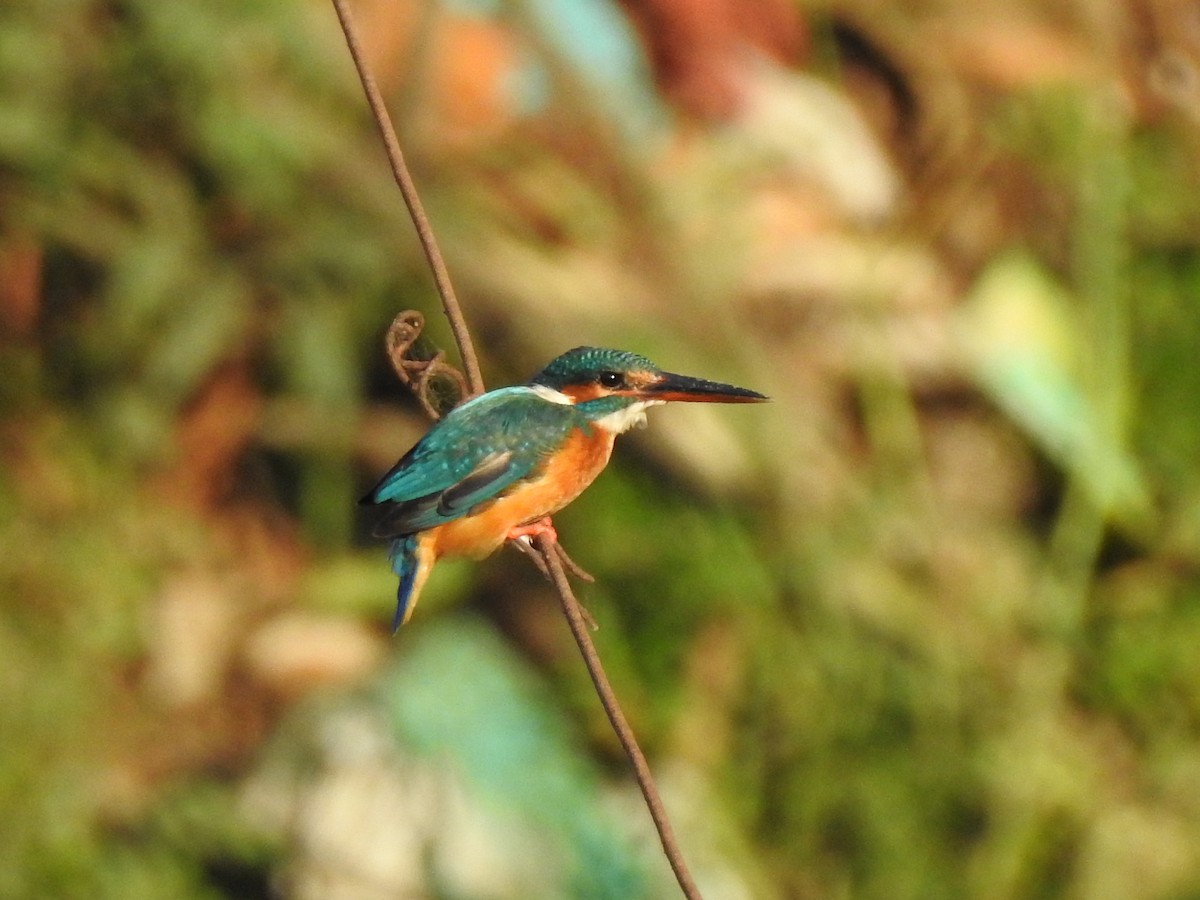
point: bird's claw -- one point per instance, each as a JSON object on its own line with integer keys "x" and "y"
{"x": 523, "y": 537}
{"x": 532, "y": 530}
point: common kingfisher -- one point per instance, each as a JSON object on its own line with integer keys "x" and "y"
{"x": 498, "y": 466}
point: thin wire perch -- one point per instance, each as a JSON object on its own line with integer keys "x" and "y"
{"x": 420, "y": 375}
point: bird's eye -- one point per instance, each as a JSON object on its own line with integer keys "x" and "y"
{"x": 611, "y": 379}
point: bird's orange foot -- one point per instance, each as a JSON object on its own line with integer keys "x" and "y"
{"x": 533, "y": 530}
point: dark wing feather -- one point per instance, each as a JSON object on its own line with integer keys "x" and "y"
{"x": 494, "y": 473}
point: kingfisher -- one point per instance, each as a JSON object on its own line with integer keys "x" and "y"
{"x": 496, "y": 467}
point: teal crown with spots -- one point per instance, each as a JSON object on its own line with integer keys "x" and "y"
{"x": 583, "y": 363}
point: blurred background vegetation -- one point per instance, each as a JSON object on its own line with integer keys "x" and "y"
{"x": 926, "y": 626}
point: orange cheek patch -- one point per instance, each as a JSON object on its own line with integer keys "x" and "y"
{"x": 583, "y": 392}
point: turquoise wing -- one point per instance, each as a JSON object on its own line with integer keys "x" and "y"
{"x": 473, "y": 455}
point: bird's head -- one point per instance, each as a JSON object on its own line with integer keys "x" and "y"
{"x": 614, "y": 387}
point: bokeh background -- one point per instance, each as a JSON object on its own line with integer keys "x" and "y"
{"x": 926, "y": 626}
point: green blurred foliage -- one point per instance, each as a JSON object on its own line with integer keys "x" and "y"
{"x": 191, "y": 177}
{"x": 859, "y": 677}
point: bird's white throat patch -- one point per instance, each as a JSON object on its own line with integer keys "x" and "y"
{"x": 632, "y": 416}
{"x": 549, "y": 393}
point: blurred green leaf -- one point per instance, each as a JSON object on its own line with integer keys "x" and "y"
{"x": 1024, "y": 342}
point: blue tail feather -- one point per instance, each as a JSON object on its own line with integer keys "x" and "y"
{"x": 403, "y": 554}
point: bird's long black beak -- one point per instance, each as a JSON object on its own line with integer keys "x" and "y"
{"x": 674, "y": 387}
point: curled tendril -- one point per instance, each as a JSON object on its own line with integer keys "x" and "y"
{"x": 424, "y": 377}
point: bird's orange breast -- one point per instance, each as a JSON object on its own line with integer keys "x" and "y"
{"x": 563, "y": 477}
